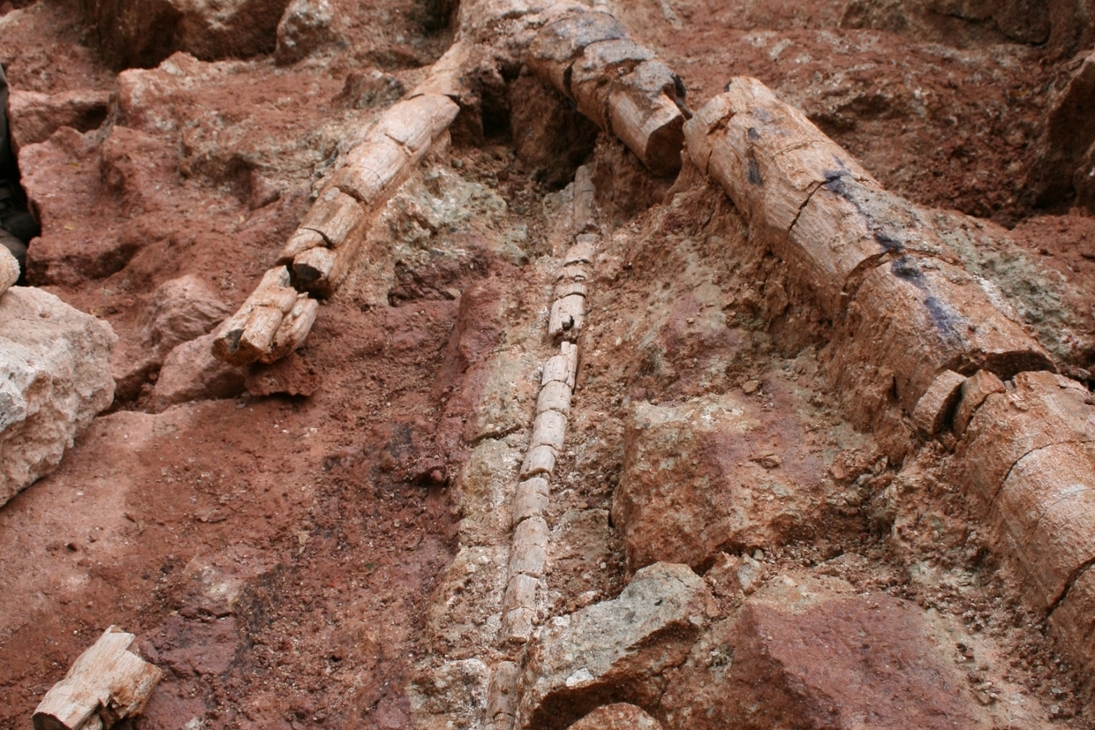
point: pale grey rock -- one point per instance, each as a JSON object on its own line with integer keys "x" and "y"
{"x": 54, "y": 379}
{"x": 305, "y": 28}
{"x": 617, "y": 650}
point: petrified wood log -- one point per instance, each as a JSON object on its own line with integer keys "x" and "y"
{"x": 531, "y": 499}
{"x": 333, "y": 216}
{"x": 920, "y": 317}
{"x": 1045, "y": 515}
{"x": 771, "y": 160}
{"x": 294, "y": 328}
{"x": 248, "y": 335}
{"x": 107, "y": 683}
{"x": 1042, "y": 409}
{"x": 619, "y": 85}
{"x": 568, "y": 314}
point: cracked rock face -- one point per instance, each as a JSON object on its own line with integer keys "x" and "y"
{"x": 614, "y": 651}
{"x": 54, "y": 378}
{"x": 812, "y": 653}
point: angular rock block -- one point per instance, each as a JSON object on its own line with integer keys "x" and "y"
{"x": 54, "y": 379}
{"x": 181, "y": 310}
{"x": 190, "y": 372}
{"x": 1068, "y": 135}
{"x": 812, "y": 654}
{"x": 1041, "y": 410}
{"x": 1045, "y": 515}
{"x": 691, "y": 484}
{"x": 615, "y": 651}
{"x": 920, "y": 317}
{"x": 143, "y": 34}
{"x": 304, "y": 28}
{"x": 33, "y": 117}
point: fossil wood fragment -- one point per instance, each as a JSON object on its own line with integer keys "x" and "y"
{"x": 619, "y": 84}
{"x": 108, "y": 683}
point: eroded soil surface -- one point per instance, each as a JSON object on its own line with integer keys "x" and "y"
{"x": 288, "y": 560}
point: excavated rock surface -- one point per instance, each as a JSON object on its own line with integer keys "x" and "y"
{"x": 54, "y": 379}
{"x": 326, "y": 541}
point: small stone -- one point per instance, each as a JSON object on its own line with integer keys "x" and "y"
{"x": 750, "y": 387}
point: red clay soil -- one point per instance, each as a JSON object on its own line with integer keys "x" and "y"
{"x": 276, "y": 555}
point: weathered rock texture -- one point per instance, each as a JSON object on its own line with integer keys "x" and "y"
{"x": 697, "y": 478}
{"x": 181, "y": 310}
{"x": 33, "y": 116}
{"x": 1063, "y": 25}
{"x": 143, "y": 34}
{"x": 9, "y": 270}
{"x": 54, "y": 378}
{"x": 190, "y": 372}
{"x": 812, "y": 654}
{"x": 1064, "y": 154}
{"x": 619, "y": 716}
{"x": 616, "y": 651}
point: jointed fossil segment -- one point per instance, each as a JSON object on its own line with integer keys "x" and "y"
{"x": 871, "y": 259}
{"x": 862, "y": 252}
